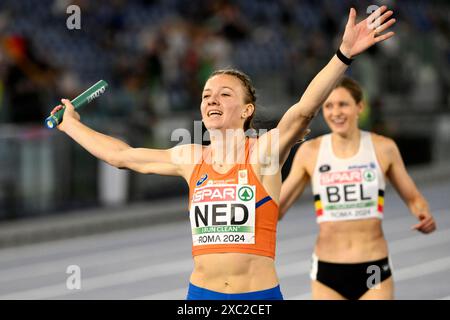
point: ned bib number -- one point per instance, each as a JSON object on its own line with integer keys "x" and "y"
{"x": 223, "y": 214}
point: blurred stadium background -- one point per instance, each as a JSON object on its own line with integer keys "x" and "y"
{"x": 156, "y": 56}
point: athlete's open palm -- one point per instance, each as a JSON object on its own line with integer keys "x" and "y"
{"x": 359, "y": 37}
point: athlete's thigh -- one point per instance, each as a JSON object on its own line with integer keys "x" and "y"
{"x": 385, "y": 291}
{"x": 323, "y": 292}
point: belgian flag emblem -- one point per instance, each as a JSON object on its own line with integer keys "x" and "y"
{"x": 380, "y": 200}
{"x": 318, "y": 205}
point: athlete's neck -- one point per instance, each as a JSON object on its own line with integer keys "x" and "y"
{"x": 346, "y": 145}
{"x": 227, "y": 147}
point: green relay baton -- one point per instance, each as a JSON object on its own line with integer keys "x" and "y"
{"x": 86, "y": 97}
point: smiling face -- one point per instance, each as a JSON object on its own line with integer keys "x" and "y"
{"x": 341, "y": 111}
{"x": 224, "y": 103}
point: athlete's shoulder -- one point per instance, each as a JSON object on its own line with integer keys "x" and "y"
{"x": 193, "y": 147}
{"x": 188, "y": 154}
{"x": 308, "y": 151}
{"x": 383, "y": 142}
{"x": 311, "y": 145}
{"x": 385, "y": 147}
{"x": 189, "y": 146}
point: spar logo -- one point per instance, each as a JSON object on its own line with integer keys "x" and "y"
{"x": 341, "y": 177}
{"x": 214, "y": 193}
{"x": 245, "y": 194}
{"x": 369, "y": 175}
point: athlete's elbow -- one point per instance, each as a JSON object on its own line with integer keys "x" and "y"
{"x": 115, "y": 161}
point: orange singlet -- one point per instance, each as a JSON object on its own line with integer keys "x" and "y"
{"x": 231, "y": 212}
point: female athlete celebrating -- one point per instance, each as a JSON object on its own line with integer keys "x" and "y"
{"x": 348, "y": 169}
{"x": 234, "y": 182}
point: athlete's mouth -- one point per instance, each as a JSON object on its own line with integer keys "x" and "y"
{"x": 214, "y": 113}
{"x": 338, "y": 121}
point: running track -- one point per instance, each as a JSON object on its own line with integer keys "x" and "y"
{"x": 154, "y": 262}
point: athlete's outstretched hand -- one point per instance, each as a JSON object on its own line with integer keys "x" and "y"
{"x": 359, "y": 37}
{"x": 426, "y": 224}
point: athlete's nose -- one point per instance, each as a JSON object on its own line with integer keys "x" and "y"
{"x": 212, "y": 101}
{"x": 335, "y": 110}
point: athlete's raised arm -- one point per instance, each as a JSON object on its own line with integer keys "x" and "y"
{"x": 357, "y": 38}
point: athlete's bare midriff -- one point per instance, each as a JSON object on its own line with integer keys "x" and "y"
{"x": 234, "y": 272}
{"x": 351, "y": 241}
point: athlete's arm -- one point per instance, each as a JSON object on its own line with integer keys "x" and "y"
{"x": 356, "y": 39}
{"x": 407, "y": 189}
{"x": 119, "y": 154}
{"x": 295, "y": 183}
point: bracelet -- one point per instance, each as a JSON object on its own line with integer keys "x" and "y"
{"x": 343, "y": 58}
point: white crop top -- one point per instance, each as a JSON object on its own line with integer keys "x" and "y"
{"x": 348, "y": 188}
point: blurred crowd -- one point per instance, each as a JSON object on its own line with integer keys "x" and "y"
{"x": 156, "y": 56}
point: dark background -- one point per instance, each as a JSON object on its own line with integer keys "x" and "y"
{"x": 156, "y": 56}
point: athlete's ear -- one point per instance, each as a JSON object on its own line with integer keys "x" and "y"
{"x": 361, "y": 107}
{"x": 248, "y": 110}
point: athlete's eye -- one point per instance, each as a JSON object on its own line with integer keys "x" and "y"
{"x": 206, "y": 96}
